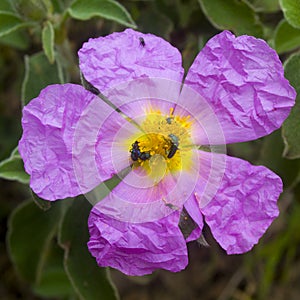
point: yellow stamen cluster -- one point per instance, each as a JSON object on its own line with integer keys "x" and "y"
{"x": 165, "y": 144}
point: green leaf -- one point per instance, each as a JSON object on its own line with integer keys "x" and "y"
{"x": 279, "y": 247}
{"x": 232, "y": 15}
{"x": 286, "y": 37}
{"x": 41, "y": 203}
{"x": 12, "y": 168}
{"x": 162, "y": 25}
{"x": 267, "y": 6}
{"x": 48, "y": 41}
{"x": 291, "y": 126}
{"x": 58, "y": 5}
{"x": 291, "y": 11}
{"x": 48, "y": 4}
{"x": 54, "y": 281}
{"x": 6, "y": 6}
{"x": 38, "y": 74}
{"x": 16, "y": 39}
{"x": 30, "y": 232}
{"x": 88, "y": 279}
{"x": 10, "y": 22}
{"x": 271, "y": 156}
{"x": 36, "y": 10}
{"x": 107, "y": 9}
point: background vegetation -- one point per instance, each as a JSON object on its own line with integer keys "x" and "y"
{"x": 43, "y": 252}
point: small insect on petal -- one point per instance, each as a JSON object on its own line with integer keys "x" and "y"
{"x": 135, "y": 151}
{"x": 174, "y": 146}
{"x": 172, "y": 151}
{"x": 144, "y": 155}
{"x": 137, "y": 154}
{"x": 142, "y": 42}
{"x": 169, "y": 120}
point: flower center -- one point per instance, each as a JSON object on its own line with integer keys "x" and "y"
{"x": 165, "y": 145}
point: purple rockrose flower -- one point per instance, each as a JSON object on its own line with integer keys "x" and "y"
{"x": 154, "y": 141}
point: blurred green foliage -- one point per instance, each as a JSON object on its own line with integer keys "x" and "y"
{"x": 290, "y": 128}
{"x": 47, "y": 242}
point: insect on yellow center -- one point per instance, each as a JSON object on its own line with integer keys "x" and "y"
{"x": 164, "y": 145}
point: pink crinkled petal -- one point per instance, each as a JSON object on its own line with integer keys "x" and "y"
{"x": 99, "y": 148}
{"x": 137, "y": 199}
{"x": 206, "y": 129}
{"x": 210, "y": 173}
{"x": 112, "y": 155}
{"x": 46, "y": 145}
{"x": 124, "y": 56}
{"x": 244, "y": 207}
{"x": 137, "y": 249}
{"x": 243, "y": 79}
{"x": 136, "y": 97}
